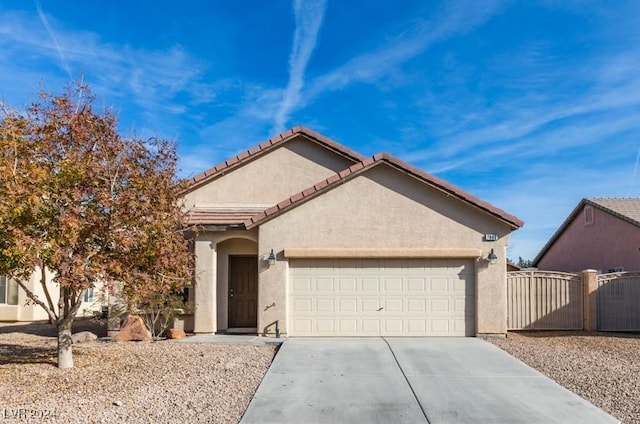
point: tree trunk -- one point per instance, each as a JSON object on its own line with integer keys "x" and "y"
{"x": 65, "y": 356}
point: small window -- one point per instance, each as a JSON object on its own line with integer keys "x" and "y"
{"x": 88, "y": 295}
{"x": 588, "y": 215}
{"x": 8, "y": 291}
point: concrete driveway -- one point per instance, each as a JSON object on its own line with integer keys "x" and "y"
{"x": 409, "y": 380}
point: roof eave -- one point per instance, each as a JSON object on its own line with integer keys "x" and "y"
{"x": 361, "y": 167}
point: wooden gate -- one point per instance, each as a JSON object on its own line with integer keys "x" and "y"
{"x": 619, "y": 301}
{"x": 543, "y": 300}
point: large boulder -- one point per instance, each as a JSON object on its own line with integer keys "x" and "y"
{"x": 83, "y": 337}
{"x": 175, "y": 333}
{"x": 132, "y": 328}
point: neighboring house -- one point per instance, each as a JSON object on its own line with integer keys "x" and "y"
{"x": 600, "y": 233}
{"x": 304, "y": 234}
{"x": 512, "y": 267}
{"x": 15, "y": 306}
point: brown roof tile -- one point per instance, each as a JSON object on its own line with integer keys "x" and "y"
{"x": 284, "y": 203}
{"x": 221, "y": 216}
{"x": 626, "y": 208}
{"x": 332, "y": 179}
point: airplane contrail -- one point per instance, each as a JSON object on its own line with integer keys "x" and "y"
{"x": 45, "y": 22}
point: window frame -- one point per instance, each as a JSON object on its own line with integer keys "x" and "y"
{"x": 9, "y": 291}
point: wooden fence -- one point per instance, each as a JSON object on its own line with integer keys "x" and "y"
{"x": 543, "y": 300}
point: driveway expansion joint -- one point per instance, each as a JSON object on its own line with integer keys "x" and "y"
{"x": 407, "y": 380}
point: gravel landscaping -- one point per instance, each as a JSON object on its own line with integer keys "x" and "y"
{"x": 155, "y": 382}
{"x": 603, "y": 368}
{"x": 169, "y": 381}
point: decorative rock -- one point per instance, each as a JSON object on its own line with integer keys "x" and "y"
{"x": 132, "y": 328}
{"x": 175, "y": 333}
{"x": 83, "y": 337}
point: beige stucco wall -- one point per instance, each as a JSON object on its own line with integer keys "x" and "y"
{"x": 385, "y": 209}
{"x": 212, "y": 250}
{"x": 275, "y": 176}
{"x": 29, "y": 311}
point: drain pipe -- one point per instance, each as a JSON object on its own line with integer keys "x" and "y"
{"x": 277, "y": 329}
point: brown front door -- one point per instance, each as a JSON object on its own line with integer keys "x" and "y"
{"x": 243, "y": 291}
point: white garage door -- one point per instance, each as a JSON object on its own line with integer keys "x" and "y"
{"x": 381, "y": 297}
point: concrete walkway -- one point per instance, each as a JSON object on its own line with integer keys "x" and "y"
{"x": 409, "y": 380}
{"x": 232, "y": 339}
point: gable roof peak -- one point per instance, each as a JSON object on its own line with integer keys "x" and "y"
{"x": 267, "y": 146}
{"x": 624, "y": 208}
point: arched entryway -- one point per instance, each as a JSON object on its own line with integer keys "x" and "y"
{"x": 237, "y": 288}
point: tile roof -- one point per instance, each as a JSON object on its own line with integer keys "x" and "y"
{"x": 366, "y": 164}
{"x": 625, "y": 208}
{"x": 220, "y": 216}
{"x": 266, "y": 146}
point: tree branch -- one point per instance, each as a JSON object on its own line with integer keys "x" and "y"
{"x": 37, "y": 301}
{"x": 43, "y": 281}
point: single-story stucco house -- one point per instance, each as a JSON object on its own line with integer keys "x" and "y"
{"x": 600, "y": 233}
{"x": 306, "y": 235}
{"x": 15, "y": 305}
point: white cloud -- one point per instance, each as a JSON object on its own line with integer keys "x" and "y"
{"x": 151, "y": 79}
{"x": 308, "y": 17}
{"x": 45, "y": 23}
{"x": 456, "y": 19}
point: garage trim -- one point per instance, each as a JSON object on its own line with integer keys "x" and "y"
{"x": 351, "y": 253}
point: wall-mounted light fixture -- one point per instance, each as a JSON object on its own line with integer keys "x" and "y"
{"x": 492, "y": 257}
{"x": 272, "y": 258}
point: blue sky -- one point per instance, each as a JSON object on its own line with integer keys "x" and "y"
{"x": 529, "y": 105}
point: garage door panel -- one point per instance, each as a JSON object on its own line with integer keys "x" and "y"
{"x": 440, "y": 326}
{"x": 348, "y": 326}
{"x": 417, "y": 326}
{"x": 370, "y": 305}
{"x": 393, "y": 284}
{"x": 326, "y": 326}
{"x": 371, "y": 327}
{"x": 416, "y": 285}
{"x": 393, "y": 326}
{"x": 373, "y": 297}
{"x": 347, "y": 284}
{"x": 302, "y": 325}
{"x": 439, "y": 306}
{"x": 325, "y": 305}
{"x": 417, "y": 306}
{"x": 301, "y": 285}
{"x": 348, "y": 306}
{"x": 370, "y": 284}
{"x": 393, "y": 304}
{"x": 324, "y": 284}
{"x": 302, "y": 305}
{"x": 439, "y": 285}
